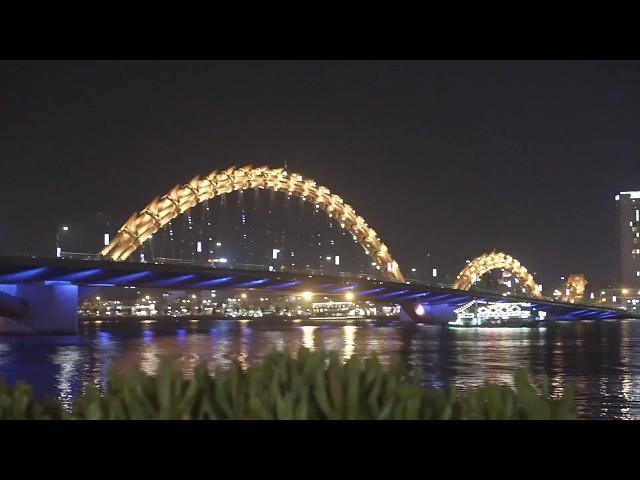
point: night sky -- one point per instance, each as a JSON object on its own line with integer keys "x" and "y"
{"x": 452, "y": 158}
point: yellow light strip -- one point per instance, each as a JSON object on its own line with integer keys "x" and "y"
{"x": 142, "y": 226}
{"x": 490, "y": 261}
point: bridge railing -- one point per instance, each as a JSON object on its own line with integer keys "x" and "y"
{"x": 80, "y": 255}
{"x": 262, "y": 268}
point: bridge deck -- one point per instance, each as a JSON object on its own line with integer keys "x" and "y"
{"x": 15, "y": 270}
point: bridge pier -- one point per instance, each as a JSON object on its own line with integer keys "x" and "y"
{"x": 425, "y": 313}
{"x": 47, "y": 308}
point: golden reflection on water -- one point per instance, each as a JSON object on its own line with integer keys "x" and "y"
{"x": 243, "y": 354}
{"x": 349, "y": 340}
{"x": 308, "y": 336}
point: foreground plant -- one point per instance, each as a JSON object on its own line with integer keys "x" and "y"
{"x": 309, "y": 386}
{"x": 20, "y": 403}
{"x": 315, "y": 386}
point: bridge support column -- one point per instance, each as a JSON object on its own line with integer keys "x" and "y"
{"x": 425, "y": 313}
{"x": 50, "y": 310}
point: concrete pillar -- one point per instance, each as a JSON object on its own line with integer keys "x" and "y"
{"x": 52, "y": 309}
{"x": 425, "y": 313}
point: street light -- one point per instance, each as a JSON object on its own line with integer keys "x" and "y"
{"x": 63, "y": 228}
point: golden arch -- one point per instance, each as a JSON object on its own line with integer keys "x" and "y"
{"x": 490, "y": 261}
{"x": 142, "y": 225}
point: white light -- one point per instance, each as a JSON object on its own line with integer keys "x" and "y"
{"x": 419, "y": 310}
{"x": 337, "y": 259}
{"x": 637, "y": 215}
{"x": 106, "y": 239}
{"x": 502, "y": 311}
{"x": 58, "y": 252}
{"x": 327, "y": 258}
{"x": 199, "y": 246}
{"x": 413, "y": 269}
{"x": 274, "y": 253}
{"x": 218, "y": 244}
{"x": 614, "y": 298}
{"x": 349, "y": 296}
{"x": 307, "y": 295}
{"x": 631, "y": 194}
{"x": 223, "y": 260}
{"x": 65, "y": 229}
{"x": 142, "y": 257}
{"x": 434, "y": 272}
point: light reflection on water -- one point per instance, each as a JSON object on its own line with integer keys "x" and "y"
{"x": 601, "y": 359}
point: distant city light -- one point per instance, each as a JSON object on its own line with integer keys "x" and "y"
{"x": 199, "y": 247}
{"x": 337, "y": 259}
{"x": 218, "y": 244}
{"x": 58, "y": 252}
{"x": 307, "y": 295}
{"x": 65, "y": 229}
{"x": 243, "y": 295}
{"x": 349, "y": 296}
{"x": 274, "y": 253}
{"x": 106, "y": 239}
{"x": 434, "y": 272}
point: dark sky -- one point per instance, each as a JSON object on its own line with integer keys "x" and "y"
{"x": 452, "y": 158}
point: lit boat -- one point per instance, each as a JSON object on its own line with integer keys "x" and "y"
{"x": 482, "y": 314}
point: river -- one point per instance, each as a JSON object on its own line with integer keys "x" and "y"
{"x": 601, "y": 359}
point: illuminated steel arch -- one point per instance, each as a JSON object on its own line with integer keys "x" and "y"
{"x": 490, "y": 261}
{"x": 142, "y": 225}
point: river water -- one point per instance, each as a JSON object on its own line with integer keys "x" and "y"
{"x": 601, "y": 359}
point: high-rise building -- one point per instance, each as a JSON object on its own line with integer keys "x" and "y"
{"x": 628, "y": 204}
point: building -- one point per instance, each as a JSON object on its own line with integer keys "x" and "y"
{"x": 625, "y": 298}
{"x": 628, "y": 206}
